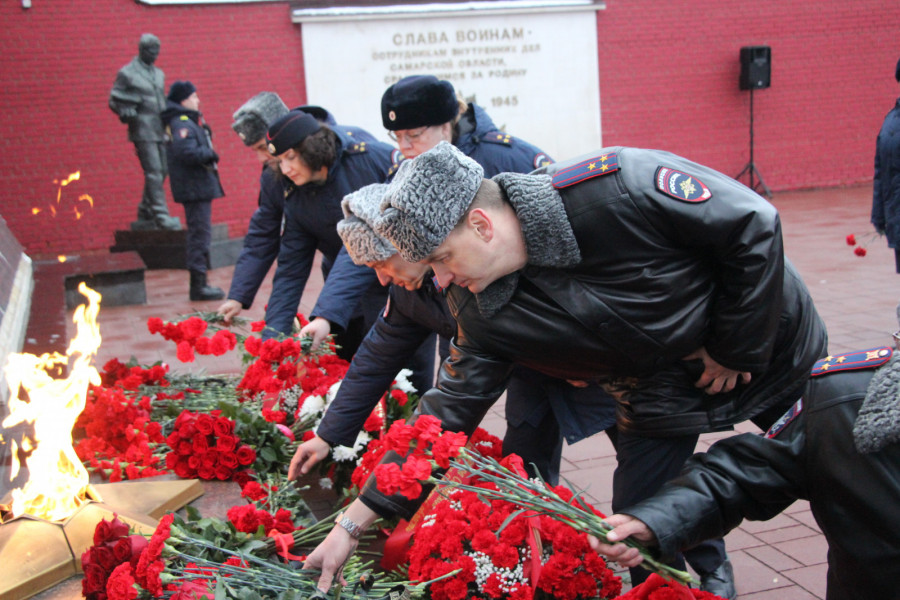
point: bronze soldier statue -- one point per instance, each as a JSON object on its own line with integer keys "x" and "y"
{"x": 138, "y": 97}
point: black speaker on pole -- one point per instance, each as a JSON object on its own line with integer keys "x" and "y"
{"x": 756, "y": 74}
{"x": 756, "y": 67}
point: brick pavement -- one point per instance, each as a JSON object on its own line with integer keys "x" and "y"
{"x": 781, "y": 559}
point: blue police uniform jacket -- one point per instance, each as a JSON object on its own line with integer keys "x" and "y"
{"x": 495, "y": 151}
{"x": 311, "y": 213}
{"x": 263, "y": 238}
{"x": 886, "y": 183}
{"x": 190, "y": 156}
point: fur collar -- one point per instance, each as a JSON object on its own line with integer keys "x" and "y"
{"x": 549, "y": 239}
{"x": 878, "y": 421}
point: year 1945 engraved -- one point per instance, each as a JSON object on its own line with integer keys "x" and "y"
{"x": 505, "y": 101}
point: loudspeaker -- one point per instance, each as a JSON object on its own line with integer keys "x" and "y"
{"x": 756, "y": 67}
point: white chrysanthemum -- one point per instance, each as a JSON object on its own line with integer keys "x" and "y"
{"x": 343, "y": 453}
{"x": 326, "y": 484}
{"x": 403, "y": 383}
{"x": 312, "y": 407}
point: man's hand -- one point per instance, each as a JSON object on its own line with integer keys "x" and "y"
{"x": 308, "y": 454}
{"x": 318, "y": 328}
{"x": 716, "y": 378}
{"x": 334, "y": 551}
{"x": 624, "y": 526}
{"x": 330, "y": 557}
{"x": 229, "y": 310}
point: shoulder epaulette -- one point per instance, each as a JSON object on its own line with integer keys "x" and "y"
{"x": 601, "y": 164}
{"x": 497, "y": 137}
{"x": 851, "y": 361}
{"x": 184, "y": 118}
{"x": 357, "y": 148}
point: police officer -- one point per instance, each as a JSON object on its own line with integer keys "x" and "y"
{"x": 416, "y": 308}
{"x": 194, "y": 178}
{"x": 319, "y": 166}
{"x": 263, "y": 238}
{"x": 659, "y": 278}
{"x": 836, "y": 447}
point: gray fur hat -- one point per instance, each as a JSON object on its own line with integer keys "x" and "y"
{"x": 252, "y": 120}
{"x": 427, "y": 198}
{"x": 361, "y": 209}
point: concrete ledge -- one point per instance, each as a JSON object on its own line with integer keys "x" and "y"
{"x": 160, "y": 249}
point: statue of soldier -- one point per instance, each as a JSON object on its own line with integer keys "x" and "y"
{"x": 138, "y": 97}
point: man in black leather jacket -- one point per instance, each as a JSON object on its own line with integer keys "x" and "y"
{"x": 662, "y": 279}
{"x": 836, "y": 447}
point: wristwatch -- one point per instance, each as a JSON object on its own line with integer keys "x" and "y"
{"x": 354, "y": 529}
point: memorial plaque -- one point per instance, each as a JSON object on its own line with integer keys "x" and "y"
{"x": 535, "y": 74}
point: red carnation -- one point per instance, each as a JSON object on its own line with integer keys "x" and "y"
{"x": 121, "y": 584}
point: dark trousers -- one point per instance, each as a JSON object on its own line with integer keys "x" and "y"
{"x": 198, "y": 216}
{"x": 644, "y": 464}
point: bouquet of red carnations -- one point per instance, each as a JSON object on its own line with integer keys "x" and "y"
{"x": 499, "y": 551}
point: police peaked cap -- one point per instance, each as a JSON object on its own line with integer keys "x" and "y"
{"x": 290, "y": 130}
{"x": 253, "y": 118}
{"x": 417, "y": 101}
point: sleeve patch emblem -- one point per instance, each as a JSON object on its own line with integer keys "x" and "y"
{"x": 183, "y": 132}
{"x": 786, "y": 418}
{"x": 681, "y": 186}
{"x": 586, "y": 169}
{"x": 540, "y": 160}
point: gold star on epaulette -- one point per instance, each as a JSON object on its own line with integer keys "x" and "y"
{"x": 592, "y": 166}
{"x": 841, "y": 359}
{"x": 604, "y": 158}
{"x": 828, "y": 358}
{"x": 604, "y": 168}
{"x": 825, "y": 367}
{"x": 503, "y": 138}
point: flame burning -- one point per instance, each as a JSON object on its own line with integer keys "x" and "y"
{"x": 58, "y": 482}
{"x": 76, "y": 209}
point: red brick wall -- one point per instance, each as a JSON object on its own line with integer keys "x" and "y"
{"x": 59, "y": 60}
{"x": 668, "y": 79}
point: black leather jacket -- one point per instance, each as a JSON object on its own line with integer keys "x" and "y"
{"x": 658, "y": 278}
{"x": 853, "y": 496}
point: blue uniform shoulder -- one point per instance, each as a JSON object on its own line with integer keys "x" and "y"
{"x": 852, "y": 361}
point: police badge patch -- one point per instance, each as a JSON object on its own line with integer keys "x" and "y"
{"x": 786, "y": 418}
{"x": 681, "y": 186}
